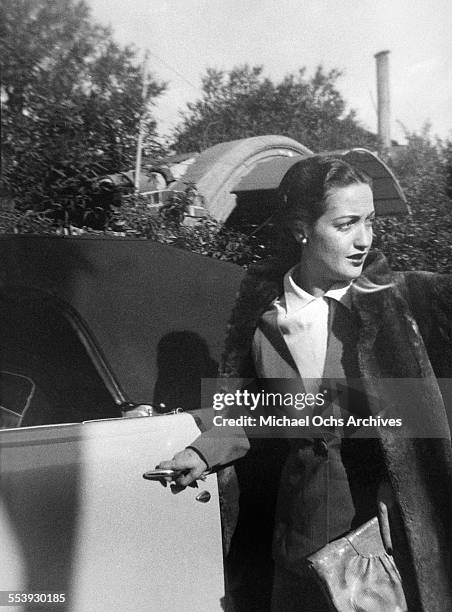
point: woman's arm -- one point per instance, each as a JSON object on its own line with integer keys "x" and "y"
{"x": 429, "y": 296}
{"x": 213, "y": 448}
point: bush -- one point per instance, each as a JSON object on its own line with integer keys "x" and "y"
{"x": 423, "y": 240}
{"x": 30, "y": 222}
{"x": 204, "y": 235}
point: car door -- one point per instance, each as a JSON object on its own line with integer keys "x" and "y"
{"x": 78, "y": 518}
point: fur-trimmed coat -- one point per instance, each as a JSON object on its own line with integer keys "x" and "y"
{"x": 405, "y": 332}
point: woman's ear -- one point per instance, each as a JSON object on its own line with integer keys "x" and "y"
{"x": 299, "y": 231}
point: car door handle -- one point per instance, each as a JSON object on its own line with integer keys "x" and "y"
{"x": 203, "y": 497}
{"x": 159, "y": 475}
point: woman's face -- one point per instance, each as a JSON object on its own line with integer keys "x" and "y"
{"x": 340, "y": 239}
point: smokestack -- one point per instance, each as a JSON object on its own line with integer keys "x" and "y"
{"x": 384, "y": 109}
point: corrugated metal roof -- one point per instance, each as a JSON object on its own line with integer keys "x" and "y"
{"x": 266, "y": 175}
{"x": 219, "y": 168}
{"x": 389, "y": 198}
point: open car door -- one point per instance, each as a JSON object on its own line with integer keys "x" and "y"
{"x": 77, "y": 518}
{"x": 89, "y": 326}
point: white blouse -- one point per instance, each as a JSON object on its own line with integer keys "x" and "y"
{"x": 303, "y": 322}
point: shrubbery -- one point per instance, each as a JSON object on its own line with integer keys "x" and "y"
{"x": 423, "y": 240}
{"x": 204, "y": 235}
{"x": 135, "y": 219}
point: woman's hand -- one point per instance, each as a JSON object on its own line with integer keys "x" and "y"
{"x": 188, "y": 463}
{"x": 385, "y": 502}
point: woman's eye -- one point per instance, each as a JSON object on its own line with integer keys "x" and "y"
{"x": 345, "y": 226}
{"x": 348, "y": 224}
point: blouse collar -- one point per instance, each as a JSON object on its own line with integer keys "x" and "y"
{"x": 295, "y": 297}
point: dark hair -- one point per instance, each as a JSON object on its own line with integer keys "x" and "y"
{"x": 306, "y": 184}
{"x": 303, "y": 191}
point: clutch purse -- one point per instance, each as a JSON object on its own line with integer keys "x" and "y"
{"x": 356, "y": 573}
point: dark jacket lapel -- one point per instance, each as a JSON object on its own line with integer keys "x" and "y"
{"x": 269, "y": 327}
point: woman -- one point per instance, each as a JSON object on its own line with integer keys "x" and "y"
{"x": 330, "y": 309}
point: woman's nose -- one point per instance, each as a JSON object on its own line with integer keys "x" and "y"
{"x": 363, "y": 236}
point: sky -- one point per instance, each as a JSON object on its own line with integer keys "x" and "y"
{"x": 184, "y": 37}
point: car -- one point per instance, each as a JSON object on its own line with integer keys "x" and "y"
{"x": 91, "y": 327}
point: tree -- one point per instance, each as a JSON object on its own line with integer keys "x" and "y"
{"x": 423, "y": 240}
{"x": 242, "y": 103}
{"x": 71, "y": 103}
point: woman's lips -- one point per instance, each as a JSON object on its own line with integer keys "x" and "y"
{"x": 357, "y": 258}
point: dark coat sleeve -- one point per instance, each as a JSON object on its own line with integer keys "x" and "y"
{"x": 219, "y": 446}
{"x": 429, "y": 296}
{"x": 420, "y": 469}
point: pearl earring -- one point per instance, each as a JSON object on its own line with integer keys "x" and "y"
{"x": 304, "y": 241}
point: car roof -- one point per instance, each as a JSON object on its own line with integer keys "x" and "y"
{"x": 157, "y": 314}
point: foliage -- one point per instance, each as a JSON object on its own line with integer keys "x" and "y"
{"x": 424, "y": 239}
{"x": 204, "y": 235}
{"x": 243, "y": 103}
{"x": 71, "y": 103}
{"x": 136, "y": 219}
{"x": 28, "y": 222}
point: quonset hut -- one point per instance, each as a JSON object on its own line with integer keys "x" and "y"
{"x": 237, "y": 181}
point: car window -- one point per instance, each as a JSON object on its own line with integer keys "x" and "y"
{"x": 46, "y": 374}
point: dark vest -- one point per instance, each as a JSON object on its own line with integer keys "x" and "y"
{"x": 328, "y": 485}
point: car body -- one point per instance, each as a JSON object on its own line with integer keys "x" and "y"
{"x": 91, "y": 327}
